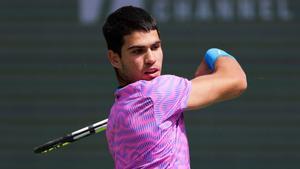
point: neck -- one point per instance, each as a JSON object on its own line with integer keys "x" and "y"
{"x": 122, "y": 82}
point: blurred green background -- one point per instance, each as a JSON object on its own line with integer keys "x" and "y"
{"x": 55, "y": 79}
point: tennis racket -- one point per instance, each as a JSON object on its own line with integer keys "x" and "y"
{"x": 69, "y": 138}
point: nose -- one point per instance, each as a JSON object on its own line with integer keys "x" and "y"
{"x": 150, "y": 57}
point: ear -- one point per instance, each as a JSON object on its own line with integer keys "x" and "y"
{"x": 114, "y": 59}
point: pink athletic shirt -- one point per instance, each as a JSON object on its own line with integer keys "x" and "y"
{"x": 146, "y": 126}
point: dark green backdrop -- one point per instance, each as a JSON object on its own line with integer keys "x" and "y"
{"x": 55, "y": 79}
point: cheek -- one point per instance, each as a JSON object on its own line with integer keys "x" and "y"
{"x": 133, "y": 66}
{"x": 160, "y": 56}
{"x": 138, "y": 62}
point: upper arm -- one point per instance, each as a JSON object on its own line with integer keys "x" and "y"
{"x": 226, "y": 82}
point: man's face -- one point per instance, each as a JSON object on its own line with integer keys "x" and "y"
{"x": 141, "y": 57}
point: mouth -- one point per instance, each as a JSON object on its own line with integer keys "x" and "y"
{"x": 152, "y": 73}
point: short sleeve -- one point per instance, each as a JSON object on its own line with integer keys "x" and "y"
{"x": 169, "y": 95}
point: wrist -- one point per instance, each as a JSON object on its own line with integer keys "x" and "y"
{"x": 212, "y": 55}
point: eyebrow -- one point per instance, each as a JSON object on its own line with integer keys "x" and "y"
{"x": 142, "y": 46}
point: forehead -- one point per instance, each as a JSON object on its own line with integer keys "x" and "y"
{"x": 141, "y": 38}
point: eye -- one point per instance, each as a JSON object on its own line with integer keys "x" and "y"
{"x": 137, "y": 51}
{"x": 155, "y": 46}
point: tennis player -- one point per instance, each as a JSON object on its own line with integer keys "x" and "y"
{"x": 146, "y": 123}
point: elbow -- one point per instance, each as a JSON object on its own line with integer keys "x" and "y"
{"x": 241, "y": 84}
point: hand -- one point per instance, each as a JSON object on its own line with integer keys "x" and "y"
{"x": 202, "y": 69}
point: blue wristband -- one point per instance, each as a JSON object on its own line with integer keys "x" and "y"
{"x": 212, "y": 55}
